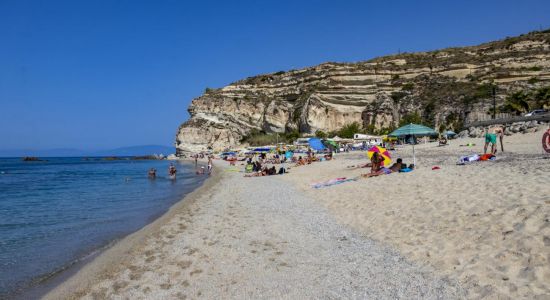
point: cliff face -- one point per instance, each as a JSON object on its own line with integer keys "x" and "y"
{"x": 449, "y": 86}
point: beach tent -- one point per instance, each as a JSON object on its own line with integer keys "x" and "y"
{"x": 413, "y": 130}
{"x": 316, "y": 144}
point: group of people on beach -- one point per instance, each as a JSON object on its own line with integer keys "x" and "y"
{"x": 201, "y": 170}
{"x": 377, "y": 166}
{"x": 256, "y": 163}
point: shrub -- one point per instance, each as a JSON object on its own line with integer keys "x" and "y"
{"x": 409, "y": 86}
{"x": 320, "y": 134}
{"x": 410, "y": 118}
{"x": 533, "y": 80}
{"x": 397, "y": 96}
{"x": 349, "y": 130}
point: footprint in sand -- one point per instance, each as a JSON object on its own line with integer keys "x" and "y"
{"x": 184, "y": 264}
{"x": 165, "y": 286}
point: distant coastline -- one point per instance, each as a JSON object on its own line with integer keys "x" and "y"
{"x": 72, "y": 152}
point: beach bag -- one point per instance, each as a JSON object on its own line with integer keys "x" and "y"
{"x": 249, "y": 168}
{"x": 485, "y": 157}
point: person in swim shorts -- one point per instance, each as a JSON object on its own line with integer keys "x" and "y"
{"x": 491, "y": 137}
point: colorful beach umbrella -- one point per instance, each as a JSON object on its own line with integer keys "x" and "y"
{"x": 383, "y": 152}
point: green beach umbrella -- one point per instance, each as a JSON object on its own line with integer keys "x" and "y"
{"x": 413, "y": 130}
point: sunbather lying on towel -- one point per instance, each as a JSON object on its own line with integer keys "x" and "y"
{"x": 398, "y": 165}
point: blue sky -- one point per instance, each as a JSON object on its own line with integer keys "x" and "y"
{"x": 104, "y": 74}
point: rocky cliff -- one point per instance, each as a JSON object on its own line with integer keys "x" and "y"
{"x": 449, "y": 86}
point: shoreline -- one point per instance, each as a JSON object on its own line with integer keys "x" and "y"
{"x": 455, "y": 232}
{"x": 252, "y": 238}
{"x": 63, "y": 283}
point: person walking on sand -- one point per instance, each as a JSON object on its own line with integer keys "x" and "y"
{"x": 209, "y": 164}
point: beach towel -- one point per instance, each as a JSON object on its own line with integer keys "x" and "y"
{"x": 467, "y": 159}
{"x": 332, "y": 182}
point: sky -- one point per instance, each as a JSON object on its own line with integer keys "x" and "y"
{"x": 105, "y": 74}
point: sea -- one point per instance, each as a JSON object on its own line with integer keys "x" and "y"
{"x": 58, "y": 212}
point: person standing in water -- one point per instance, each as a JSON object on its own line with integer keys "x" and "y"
{"x": 152, "y": 173}
{"x": 172, "y": 171}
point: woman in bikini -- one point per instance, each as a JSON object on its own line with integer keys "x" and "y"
{"x": 377, "y": 163}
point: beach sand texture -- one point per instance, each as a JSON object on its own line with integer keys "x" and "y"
{"x": 258, "y": 238}
{"x": 486, "y": 224}
{"x": 474, "y": 231}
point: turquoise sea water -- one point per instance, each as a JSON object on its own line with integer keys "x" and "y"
{"x": 56, "y": 212}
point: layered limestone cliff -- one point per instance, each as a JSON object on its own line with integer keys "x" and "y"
{"x": 450, "y": 87}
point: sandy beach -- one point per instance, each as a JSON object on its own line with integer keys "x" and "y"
{"x": 475, "y": 231}
{"x": 485, "y": 224}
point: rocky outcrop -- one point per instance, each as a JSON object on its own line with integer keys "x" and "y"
{"x": 450, "y": 86}
{"x": 509, "y": 129}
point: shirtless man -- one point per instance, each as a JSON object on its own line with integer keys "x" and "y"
{"x": 491, "y": 137}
